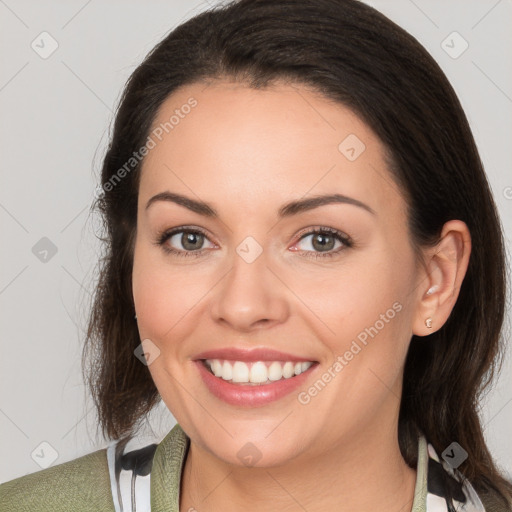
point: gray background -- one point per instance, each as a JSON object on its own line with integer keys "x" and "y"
{"x": 55, "y": 116}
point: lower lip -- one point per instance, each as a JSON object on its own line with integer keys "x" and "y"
{"x": 243, "y": 395}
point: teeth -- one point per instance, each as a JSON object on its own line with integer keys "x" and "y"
{"x": 227, "y": 371}
{"x": 255, "y": 373}
{"x": 305, "y": 366}
{"x": 217, "y": 368}
{"x": 275, "y": 371}
{"x": 258, "y": 372}
{"x": 240, "y": 372}
{"x": 288, "y": 370}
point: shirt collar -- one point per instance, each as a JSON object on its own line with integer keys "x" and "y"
{"x": 436, "y": 478}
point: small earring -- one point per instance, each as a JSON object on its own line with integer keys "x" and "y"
{"x": 428, "y": 322}
{"x": 432, "y": 289}
{"x": 135, "y": 317}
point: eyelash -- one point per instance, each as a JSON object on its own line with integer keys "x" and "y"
{"x": 163, "y": 236}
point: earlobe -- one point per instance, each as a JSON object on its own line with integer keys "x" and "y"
{"x": 445, "y": 267}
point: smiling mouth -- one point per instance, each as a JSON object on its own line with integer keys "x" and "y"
{"x": 257, "y": 372}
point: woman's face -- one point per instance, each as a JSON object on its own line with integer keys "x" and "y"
{"x": 259, "y": 277}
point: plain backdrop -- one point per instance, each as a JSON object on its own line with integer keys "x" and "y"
{"x": 56, "y": 109}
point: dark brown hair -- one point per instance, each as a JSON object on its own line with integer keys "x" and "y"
{"x": 354, "y": 55}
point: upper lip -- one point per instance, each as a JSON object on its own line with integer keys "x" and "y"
{"x": 250, "y": 355}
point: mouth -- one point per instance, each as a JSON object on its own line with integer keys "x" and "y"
{"x": 255, "y": 373}
{"x": 249, "y": 384}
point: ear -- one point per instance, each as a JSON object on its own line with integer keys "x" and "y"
{"x": 441, "y": 278}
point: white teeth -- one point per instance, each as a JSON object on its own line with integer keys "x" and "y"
{"x": 217, "y": 368}
{"x": 288, "y": 370}
{"x": 305, "y": 366}
{"x": 275, "y": 371}
{"x": 240, "y": 372}
{"x": 227, "y": 371}
{"x": 256, "y": 373}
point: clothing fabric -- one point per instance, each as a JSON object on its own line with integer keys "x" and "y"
{"x": 121, "y": 479}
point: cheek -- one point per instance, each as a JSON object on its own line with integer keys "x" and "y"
{"x": 355, "y": 293}
{"x": 166, "y": 296}
{"x": 365, "y": 324}
{"x": 364, "y": 302}
{"x": 155, "y": 306}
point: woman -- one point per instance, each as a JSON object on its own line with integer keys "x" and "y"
{"x": 304, "y": 261}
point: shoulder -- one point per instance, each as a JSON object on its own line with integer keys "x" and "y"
{"x": 118, "y": 477}
{"x": 80, "y": 484}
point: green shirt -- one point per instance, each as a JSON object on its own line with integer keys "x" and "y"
{"x": 84, "y": 484}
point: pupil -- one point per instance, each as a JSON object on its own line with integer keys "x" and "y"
{"x": 190, "y": 238}
{"x": 322, "y": 238}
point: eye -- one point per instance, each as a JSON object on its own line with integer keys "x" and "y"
{"x": 190, "y": 240}
{"x": 324, "y": 240}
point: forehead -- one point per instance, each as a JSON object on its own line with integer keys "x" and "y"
{"x": 282, "y": 141}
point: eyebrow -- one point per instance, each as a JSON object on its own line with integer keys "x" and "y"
{"x": 287, "y": 210}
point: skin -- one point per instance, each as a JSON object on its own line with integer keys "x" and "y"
{"x": 247, "y": 152}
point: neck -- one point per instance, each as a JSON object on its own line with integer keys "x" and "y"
{"x": 363, "y": 473}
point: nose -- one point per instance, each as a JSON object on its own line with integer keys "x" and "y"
{"x": 250, "y": 296}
